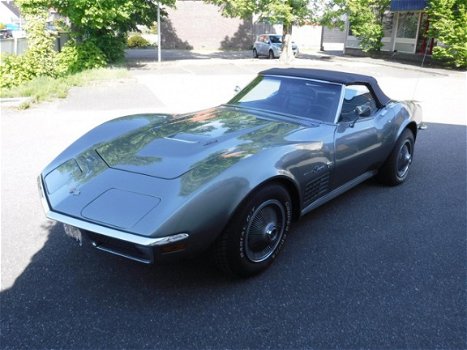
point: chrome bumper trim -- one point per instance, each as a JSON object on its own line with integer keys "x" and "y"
{"x": 44, "y": 202}
{"x": 105, "y": 231}
{"x": 113, "y": 233}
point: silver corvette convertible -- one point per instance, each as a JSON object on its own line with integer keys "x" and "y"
{"x": 232, "y": 179}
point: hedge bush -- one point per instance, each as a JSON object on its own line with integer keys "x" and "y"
{"x": 137, "y": 41}
{"x": 76, "y": 57}
{"x": 14, "y": 70}
{"x": 112, "y": 44}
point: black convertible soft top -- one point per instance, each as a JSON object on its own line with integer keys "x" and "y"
{"x": 335, "y": 77}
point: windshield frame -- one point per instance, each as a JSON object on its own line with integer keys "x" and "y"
{"x": 234, "y": 101}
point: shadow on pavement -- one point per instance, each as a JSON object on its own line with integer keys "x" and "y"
{"x": 134, "y": 56}
{"x": 376, "y": 267}
{"x": 70, "y": 296}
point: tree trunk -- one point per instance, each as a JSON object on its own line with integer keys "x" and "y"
{"x": 287, "y": 53}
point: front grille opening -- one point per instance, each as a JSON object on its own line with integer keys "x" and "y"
{"x": 118, "y": 247}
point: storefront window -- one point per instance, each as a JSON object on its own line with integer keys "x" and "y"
{"x": 407, "y": 25}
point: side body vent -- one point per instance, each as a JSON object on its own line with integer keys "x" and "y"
{"x": 316, "y": 188}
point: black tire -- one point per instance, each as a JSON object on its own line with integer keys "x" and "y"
{"x": 271, "y": 54}
{"x": 396, "y": 168}
{"x": 256, "y": 233}
{"x": 255, "y": 53}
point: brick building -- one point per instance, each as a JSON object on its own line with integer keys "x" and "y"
{"x": 193, "y": 24}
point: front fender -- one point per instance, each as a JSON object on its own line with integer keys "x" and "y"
{"x": 209, "y": 205}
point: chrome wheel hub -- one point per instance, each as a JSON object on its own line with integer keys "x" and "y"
{"x": 404, "y": 159}
{"x": 271, "y": 232}
{"x": 265, "y": 230}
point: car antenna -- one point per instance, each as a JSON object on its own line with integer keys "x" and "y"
{"x": 422, "y": 126}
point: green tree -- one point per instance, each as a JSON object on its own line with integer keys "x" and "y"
{"x": 366, "y": 22}
{"x": 103, "y": 22}
{"x": 41, "y": 54}
{"x": 285, "y": 12}
{"x": 365, "y": 18}
{"x": 448, "y": 20}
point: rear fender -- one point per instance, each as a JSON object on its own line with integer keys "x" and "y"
{"x": 414, "y": 117}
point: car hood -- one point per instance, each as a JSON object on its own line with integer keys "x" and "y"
{"x": 171, "y": 148}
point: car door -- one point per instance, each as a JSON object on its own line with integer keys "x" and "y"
{"x": 263, "y": 44}
{"x": 359, "y": 136}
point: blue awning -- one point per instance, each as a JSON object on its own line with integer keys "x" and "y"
{"x": 408, "y": 5}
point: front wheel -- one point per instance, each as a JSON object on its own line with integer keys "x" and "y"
{"x": 256, "y": 233}
{"x": 396, "y": 168}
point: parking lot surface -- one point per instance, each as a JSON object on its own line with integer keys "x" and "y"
{"x": 377, "y": 267}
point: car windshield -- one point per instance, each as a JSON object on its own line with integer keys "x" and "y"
{"x": 304, "y": 98}
{"x": 276, "y": 39}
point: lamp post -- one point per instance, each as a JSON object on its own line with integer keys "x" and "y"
{"x": 158, "y": 32}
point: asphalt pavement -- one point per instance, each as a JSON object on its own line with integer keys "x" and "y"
{"x": 377, "y": 267}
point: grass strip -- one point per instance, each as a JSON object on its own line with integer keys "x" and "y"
{"x": 46, "y": 88}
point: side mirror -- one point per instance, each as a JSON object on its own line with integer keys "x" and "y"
{"x": 363, "y": 110}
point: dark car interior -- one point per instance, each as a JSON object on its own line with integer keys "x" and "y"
{"x": 350, "y": 106}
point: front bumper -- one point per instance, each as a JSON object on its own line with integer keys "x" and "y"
{"x": 278, "y": 51}
{"x": 139, "y": 248}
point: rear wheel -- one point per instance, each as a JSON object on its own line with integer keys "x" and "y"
{"x": 271, "y": 54}
{"x": 256, "y": 233}
{"x": 255, "y": 53}
{"x": 396, "y": 168}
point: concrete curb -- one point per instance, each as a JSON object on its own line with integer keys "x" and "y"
{"x": 14, "y": 102}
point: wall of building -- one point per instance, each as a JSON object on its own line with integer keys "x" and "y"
{"x": 306, "y": 37}
{"x": 197, "y": 25}
{"x": 333, "y": 39}
{"x": 16, "y": 46}
{"x": 194, "y": 24}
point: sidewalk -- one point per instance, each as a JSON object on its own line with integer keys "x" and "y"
{"x": 148, "y": 57}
